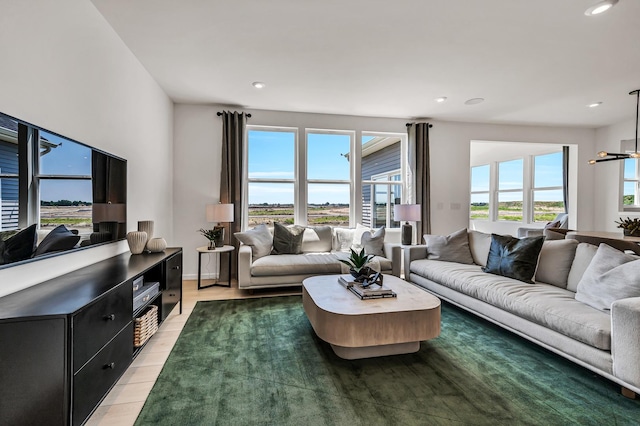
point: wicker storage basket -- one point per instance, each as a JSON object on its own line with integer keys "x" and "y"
{"x": 145, "y": 326}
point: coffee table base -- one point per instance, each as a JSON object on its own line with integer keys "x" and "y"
{"x": 374, "y": 351}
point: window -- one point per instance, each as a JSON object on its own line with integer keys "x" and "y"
{"x": 328, "y": 178}
{"x": 480, "y": 186}
{"x": 548, "y": 199}
{"x": 64, "y": 182}
{"x": 311, "y": 182}
{"x": 510, "y": 190}
{"x": 9, "y": 174}
{"x": 631, "y": 184}
{"x": 271, "y": 176}
{"x": 382, "y": 183}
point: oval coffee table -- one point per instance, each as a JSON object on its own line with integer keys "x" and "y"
{"x": 368, "y": 328}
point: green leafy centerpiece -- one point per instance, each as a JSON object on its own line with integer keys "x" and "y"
{"x": 630, "y": 227}
{"x": 357, "y": 264}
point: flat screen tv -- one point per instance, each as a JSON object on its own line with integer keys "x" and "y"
{"x": 49, "y": 180}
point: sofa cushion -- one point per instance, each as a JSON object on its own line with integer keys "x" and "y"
{"x": 59, "y": 239}
{"x": 479, "y": 243}
{"x": 547, "y": 305}
{"x": 581, "y": 261}
{"x": 258, "y": 238}
{"x": 316, "y": 239}
{"x": 554, "y": 264}
{"x": 514, "y": 257}
{"x": 373, "y": 243}
{"x": 19, "y": 247}
{"x": 450, "y": 248}
{"x": 295, "y": 264}
{"x": 612, "y": 275}
{"x": 287, "y": 239}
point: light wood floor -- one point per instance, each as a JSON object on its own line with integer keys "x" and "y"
{"x": 123, "y": 404}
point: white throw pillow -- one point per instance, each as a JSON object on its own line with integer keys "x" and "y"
{"x": 450, "y": 248}
{"x": 479, "y": 243}
{"x": 584, "y": 254}
{"x": 612, "y": 275}
{"x": 259, "y": 239}
{"x": 344, "y": 239}
{"x": 373, "y": 243}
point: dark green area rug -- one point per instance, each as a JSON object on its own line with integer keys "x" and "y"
{"x": 258, "y": 362}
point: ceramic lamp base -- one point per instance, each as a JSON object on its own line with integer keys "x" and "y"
{"x": 219, "y": 241}
{"x": 407, "y": 234}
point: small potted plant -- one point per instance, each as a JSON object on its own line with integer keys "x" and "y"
{"x": 214, "y": 236}
{"x": 357, "y": 264}
{"x": 630, "y": 227}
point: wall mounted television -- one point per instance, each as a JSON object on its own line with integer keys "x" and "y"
{"x": 50, "y": 180}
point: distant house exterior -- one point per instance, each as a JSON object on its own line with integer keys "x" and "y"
{"x": 9, "y": 183}
{"x": 381, "y": 162}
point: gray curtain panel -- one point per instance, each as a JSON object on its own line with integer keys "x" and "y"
{"x": 233, "y": 131}
{"x": 565, "y": 177}
{"x": 419, "y": 138}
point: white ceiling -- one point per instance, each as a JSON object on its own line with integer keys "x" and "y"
{"x": 535, "y": 62}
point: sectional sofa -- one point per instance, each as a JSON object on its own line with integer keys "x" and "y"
{"x": 571, "y": 306}
{"x": 260, "y": 267}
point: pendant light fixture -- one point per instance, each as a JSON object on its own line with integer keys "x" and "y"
{"x": 609, "y": 156}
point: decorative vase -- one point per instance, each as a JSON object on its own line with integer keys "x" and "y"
{"x": 137, "y": 240}
{"x": 212, "y": 245}
{"x": 156, "y": 245}
{"x": 146, "y": 226}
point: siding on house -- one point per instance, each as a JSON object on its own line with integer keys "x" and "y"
{"x": 382, "y": 161}
{"x": 8, "y": 186}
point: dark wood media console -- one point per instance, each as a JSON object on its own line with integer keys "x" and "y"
{"x": 65, "y": 342}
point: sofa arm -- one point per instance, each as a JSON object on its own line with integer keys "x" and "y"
{"x": 625, "y": 339}
{"x": 393, "y": 251}
{"x": 412, "y": 253}
{"x": 245, "y": 258}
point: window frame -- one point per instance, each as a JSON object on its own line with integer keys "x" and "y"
{"x": 488, "y": 192}
{"x": 628, "y": 146}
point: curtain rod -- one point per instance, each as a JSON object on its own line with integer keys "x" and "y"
{"x": 219, "y": 114}
{"x": 411, "y": 124}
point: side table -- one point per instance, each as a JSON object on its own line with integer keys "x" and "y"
{"x": 228, "y": 250}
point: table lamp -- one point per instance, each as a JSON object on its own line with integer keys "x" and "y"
{"x": 406, "y": 212}
{"x": 217, "y": 213}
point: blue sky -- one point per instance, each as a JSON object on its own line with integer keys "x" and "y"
{"x": 548, "y": 173}
{"x": 68, "y": 158}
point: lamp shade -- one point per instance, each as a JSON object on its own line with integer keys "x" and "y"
{"x": 408, "y": 212}
{"x": 219, "y": 212}
{"x": 108, "y": 212}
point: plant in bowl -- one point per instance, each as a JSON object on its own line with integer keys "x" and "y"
{"x": 630, "y": 227}
{"x": 357, "y": 264}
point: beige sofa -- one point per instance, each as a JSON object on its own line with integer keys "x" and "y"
{"x": 321, "y": 249}
{"x": 546, "y": 312}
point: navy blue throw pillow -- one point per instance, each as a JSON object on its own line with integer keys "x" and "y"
{"x": 512, "y": 257}
{"x": 60, "y": 238}
{"x": 19, "y": 247}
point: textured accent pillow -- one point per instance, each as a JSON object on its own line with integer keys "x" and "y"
{"x": 19, "y": 247}
{"x": 479, "y": 243}
{"x": 317, "y": 239}
{"x": 258, "y": 238}
{"x": 512, "y": 257}
{"x": 344, "y": 239}
{"x": 584, "y": 254}
{"x": 358, "y": 232}
{"x": 287, "y": 240}
{"x": 612, "y": 275}
{"x": 373, "y": 244}
{"x": 60, "y": 238}
{"x": 450, "y": 248}
{"x": 554, "y": 264}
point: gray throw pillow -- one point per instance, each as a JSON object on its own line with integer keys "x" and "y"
{"x": 287, "y": 240}
{"x": 554, "y": 264}
{"x": 584, "y": 255}
{"x": 512, "y": 257}
{"x": 450, "y": 248}
{"x": 258, "y": 238}
{"x": 373, "y": 244}
{"x": 612, "y": 275}
{"x": 20, "y": 246}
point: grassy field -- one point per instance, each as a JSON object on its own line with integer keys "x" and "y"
{"x": 335, "y": 215}
{"x": 545, "y": 211}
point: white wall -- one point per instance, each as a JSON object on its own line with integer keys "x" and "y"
{"x": 64, "y": 68}
{"x": 607, "y": 175}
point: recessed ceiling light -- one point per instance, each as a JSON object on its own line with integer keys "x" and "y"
{"x": 441, "y": 99}
{"x": 594, "y": 104}
{"x": 258, "y": 84}
{"x": 600, "y": 7}
{"x": 474, "y": 101}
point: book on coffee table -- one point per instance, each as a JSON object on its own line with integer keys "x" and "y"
{"x": 373, "y": 291}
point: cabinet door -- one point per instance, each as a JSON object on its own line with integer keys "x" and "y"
{"x": 172, "y": 292}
